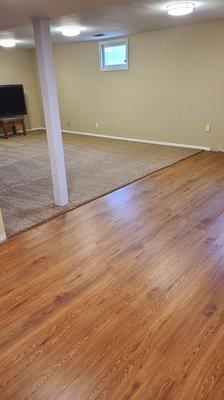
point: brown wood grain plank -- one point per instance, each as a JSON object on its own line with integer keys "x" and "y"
{"x": 122, "y": 298}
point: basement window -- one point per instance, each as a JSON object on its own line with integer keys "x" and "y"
{"x": 113, "y": 55}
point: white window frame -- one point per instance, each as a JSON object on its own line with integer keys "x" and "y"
{"x": 113, "y": 42}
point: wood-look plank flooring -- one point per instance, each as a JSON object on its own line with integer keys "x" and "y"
{"x": 123, "y": 298}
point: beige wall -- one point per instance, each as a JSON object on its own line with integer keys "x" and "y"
{"x": 16, "y": 66}
{"x": 175, "y": 85}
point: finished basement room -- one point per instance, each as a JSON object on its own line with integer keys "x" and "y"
{"x": 111, "y": 200}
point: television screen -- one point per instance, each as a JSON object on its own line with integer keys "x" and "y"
{"x": 12, "y": 101}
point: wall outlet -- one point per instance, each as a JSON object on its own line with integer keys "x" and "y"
{"x": 207, "y": 128}
{"x": 97, "y": 124}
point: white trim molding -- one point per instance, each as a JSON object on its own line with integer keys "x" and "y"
{"x": 182, "y": 145}
{"x": 186, "y": 146}
{"x": 35, "y": 129}
{"x": 28, "y": 130}
{"x": 218, "y": 149}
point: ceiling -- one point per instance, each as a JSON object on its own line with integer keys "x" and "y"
{"x": 110, "y": 17}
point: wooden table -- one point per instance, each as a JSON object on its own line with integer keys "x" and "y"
{"x": 7, "y": 123}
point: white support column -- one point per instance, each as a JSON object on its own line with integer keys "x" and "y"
{"x": 2, "y": 229}
{"x": 48, "y": 84}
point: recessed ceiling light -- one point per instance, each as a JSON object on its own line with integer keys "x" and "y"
{"x": 7, "y": 42}
{"x": 70, "y": 31}
{"x": 181, "y": 8}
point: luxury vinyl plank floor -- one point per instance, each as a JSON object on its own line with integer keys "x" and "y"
{"x": 122, "y": 298}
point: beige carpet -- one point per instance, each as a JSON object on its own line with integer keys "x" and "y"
{"x": 94, "y": 166}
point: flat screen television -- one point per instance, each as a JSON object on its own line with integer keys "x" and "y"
{"x": 12, "y": 101}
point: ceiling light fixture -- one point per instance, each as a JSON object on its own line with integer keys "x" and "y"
{"x": 70, "y": 31}
{"x": 7, "y": 43}
{"x": 181, "y": 8}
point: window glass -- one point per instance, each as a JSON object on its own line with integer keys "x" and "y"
{"x": 113, "y": 54}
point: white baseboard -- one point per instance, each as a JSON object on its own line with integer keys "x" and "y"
{"x": 35, "y": 129}
{"x": 28, "y": 130}
{"x": 188, "y": 146}
{"x": 2, "y": 237}
{"x": 218, "y": 149}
